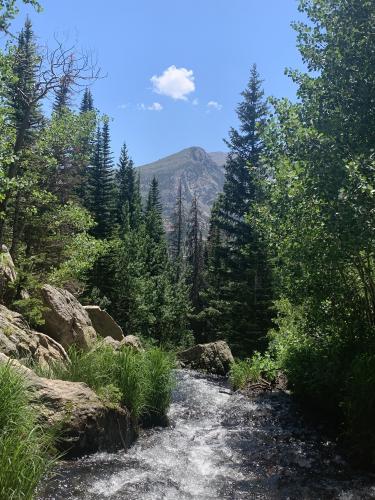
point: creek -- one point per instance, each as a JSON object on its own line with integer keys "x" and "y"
{"x": 219, "y": 445}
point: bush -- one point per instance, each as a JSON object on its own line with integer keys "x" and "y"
{"x": 25, "y": 449}
{"x": 253, "y": 369}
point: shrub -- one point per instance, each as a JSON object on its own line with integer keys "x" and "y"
{"x": 25, "y": 449}
{"x": 250, "y": 370}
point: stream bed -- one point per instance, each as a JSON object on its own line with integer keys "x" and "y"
{"x": 219, "y": 445}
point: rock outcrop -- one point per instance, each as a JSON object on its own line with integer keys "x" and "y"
{"x": 103, "y": 323}
{"x": 215, "y": 357}
{"x": 8, "y": 274}
{"x": 17, "y": 340}
{"x": 85, "y": 424}
{"x": 66, "y": 320}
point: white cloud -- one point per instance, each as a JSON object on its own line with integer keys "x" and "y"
{"x": 124, "y": 106}
{"x": 195, "y": 102}
{"x": 214, "y": 105}
{"x": 155, "y": 106}
{"x": 174, "y": 82}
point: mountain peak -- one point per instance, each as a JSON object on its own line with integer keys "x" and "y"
{"x": 200, "y": 173}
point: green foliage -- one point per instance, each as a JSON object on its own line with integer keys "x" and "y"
{"x": 25, "y": 448}
{"x": 259, "y": 366}
{"x": 238, "y": 275}
{"x": 142, "y": 381}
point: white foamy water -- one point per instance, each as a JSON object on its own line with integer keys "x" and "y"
{"x": 218, "y": 446}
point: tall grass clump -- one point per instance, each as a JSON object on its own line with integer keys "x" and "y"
{"x": 141, "y": 381}
{"x": 244, "y": 372}
{"x": 25, "y": 449}
{"x": 159, "y": 382}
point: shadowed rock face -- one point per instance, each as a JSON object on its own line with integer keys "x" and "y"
{"x": 201, "y": 173}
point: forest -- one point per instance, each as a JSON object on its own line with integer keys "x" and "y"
{"x": 286, "y": 274}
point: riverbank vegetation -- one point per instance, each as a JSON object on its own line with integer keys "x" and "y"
{"x": 141, "y": 381}
{"x": 26, "y": 448}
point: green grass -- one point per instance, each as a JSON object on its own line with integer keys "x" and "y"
{"x": 25, "y": 449}
{"x": 141, "y": 381}
{"x": 244, "y": 372}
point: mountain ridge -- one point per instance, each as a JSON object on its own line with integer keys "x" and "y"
{"x": 200, "y": 172}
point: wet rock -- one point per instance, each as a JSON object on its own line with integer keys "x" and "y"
{"x": 66, "y": 320}
{"x": 215, "y": 357}
{"x": 17, "y": 340}
{"x": 86, "y": 425}
{"x": 103, "y": 323}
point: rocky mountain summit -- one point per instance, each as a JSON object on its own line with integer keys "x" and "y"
{"x": 201, "y": 173}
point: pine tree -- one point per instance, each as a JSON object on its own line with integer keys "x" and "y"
{"x": 128, "y": 203}
{"x": 63, "y": 92}
{"x": 177, "y": 236}
{"x": 239, "y": 278}
{"x": 87, "y": 103}
{"x": 157, "y": 255}
{"x": 102, "y": 185}
{"x": 27, "y": 119}
{"x": 195, "y": 255}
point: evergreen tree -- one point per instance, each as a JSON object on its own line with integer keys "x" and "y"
{"x": 157, "y": 255}
{"x": 195, "y": 255}
{"x": 128, "y": 203}
{"x": 238, "y": 261}
{"x": 177, "y": 236}
{"x": 63, "y": 93}
{"x": 102, "y": 185}
{"x": 87, "y": 103}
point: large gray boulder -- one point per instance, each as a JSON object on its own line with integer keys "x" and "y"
{"x": 215, "y": 357}
{"x": 66, "y": 320}
{"x": 104, "y": 324}
{"x": 17, "y": 340}
{"x": 85, "y": 423}
{"x": 8, "y": 274}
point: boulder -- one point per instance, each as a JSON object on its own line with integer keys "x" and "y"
{"x": 133, "y": 341}
{"x": 215, "y": 357}
{"x": 8, "y": 274}
{"x": 85, "y": 423}
{"x": 130, "y": 340}
{"x": 66, "y": 320}
{"x": 17, "y": 340}
{"x": 103, "y": 323}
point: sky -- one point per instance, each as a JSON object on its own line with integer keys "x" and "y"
{"x": 173, "y": 70}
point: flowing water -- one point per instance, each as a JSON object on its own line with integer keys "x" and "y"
{"x": 218, "y": 446}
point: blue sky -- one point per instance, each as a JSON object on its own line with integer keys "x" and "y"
{"x": 175, "y": 68}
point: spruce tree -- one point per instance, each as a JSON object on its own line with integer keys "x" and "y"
{"x": 240, "y": 291}
{"x": 195, "y": 255}
{"x": 87, "y": 103}
{"x": 177, "y": 236}
{"x": 63, "y": 95}
{"x": 102, "y": 185}
{"x": 128, "y": 203}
